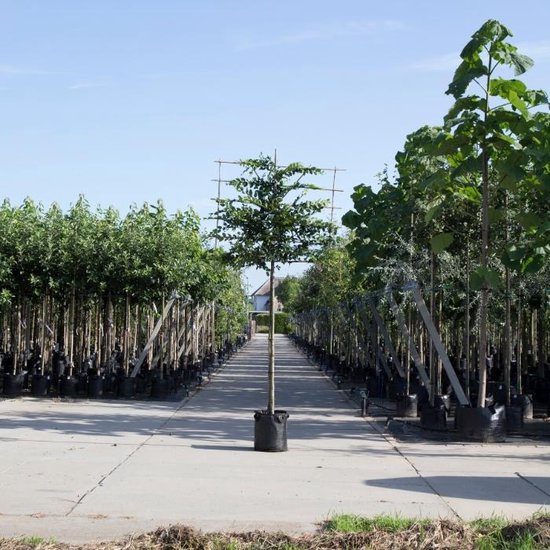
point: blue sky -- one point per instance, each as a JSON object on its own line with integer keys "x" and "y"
{"x": 128, "y": 101}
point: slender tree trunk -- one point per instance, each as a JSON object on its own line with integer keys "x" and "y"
{"x": 519, "y": 382}
{"x": 433, "y": 374}
{"x": 508, "y": 337}
{"x": 271, "y": 341}
{"x": 540, "y": 339}
{"x": 127, "y": 330}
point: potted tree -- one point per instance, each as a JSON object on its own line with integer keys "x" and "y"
{"x": 493, "y": 132}
{"x": 270, "y": 221}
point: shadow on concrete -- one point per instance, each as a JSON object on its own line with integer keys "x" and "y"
{"x": 491, "y": 489}
{"x": 223, "y": 448}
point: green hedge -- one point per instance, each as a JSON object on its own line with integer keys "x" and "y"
{"x": 282, "y": 324}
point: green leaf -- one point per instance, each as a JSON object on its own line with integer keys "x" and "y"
{"x": 470, "y": 193}
{"x": 485, "y": 278}
{"x": 521, "y": 63}
{"x": 476, "y": 281}
{"x": 503, "y": 87}
{"x": 492, "y": 278}
{"x": 528, "y": 220}
{"x": 464, "y": 75}
{"x": 441, "y": 242}
{"x": 470, "y": 165}
{"x": 351, "y": 219}
{"x": 434, "y": 209}
{"x": 510, "y": 174}
{"x": 533, "y": 263}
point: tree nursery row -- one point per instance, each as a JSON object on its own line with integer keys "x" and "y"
{"x": 93, "y": 303}
{"x": 450, "y": 253}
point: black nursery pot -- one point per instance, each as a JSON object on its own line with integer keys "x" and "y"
{"x": 486, "y": 424}
{"x": 434, "y": 418}
{"x": 514, "y": 419}
{"x": 13, "y": 384}
{"x": 159, "y": 388}
{"x": 40, "y": 385}
{"x": 95, "y": 387}
{"x": 68, "y": 386}
{"x": 127, "y": 388}
{"x": 407, "y": 406}
{"x": 270, "y": 434}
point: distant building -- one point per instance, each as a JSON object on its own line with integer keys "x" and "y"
{"x": 260, "y": 297}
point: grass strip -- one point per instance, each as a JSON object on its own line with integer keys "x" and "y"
{"x": 343, "y": 532}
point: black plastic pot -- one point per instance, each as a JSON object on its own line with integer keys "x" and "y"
{"x": 159, "y": 388}
{"x": 13, "y": 384}
{"x": 486, "y": 424}
{"x": 407, "y": 406}
{"x": 141, "y": 384}
{"x": 270, "y": 434}
{"x": 95, "y": 387}
{"x": 127, "y": 387}
{"x": 39, "y": 387}
{"x": 514, "y": 419}
{"x": 68, "y": 386}
{"x": 433, "y": 418}
{"x": 525, "y": 402}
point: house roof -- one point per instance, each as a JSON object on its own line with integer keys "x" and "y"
{"x": 264, "y": 289}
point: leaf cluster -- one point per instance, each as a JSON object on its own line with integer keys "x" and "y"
{"x": 270, "y": 219}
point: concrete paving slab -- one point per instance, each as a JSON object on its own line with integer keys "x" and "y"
{"x": 91, "y": 470}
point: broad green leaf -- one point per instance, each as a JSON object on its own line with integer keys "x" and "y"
{"x": 521, "y": 63}
{"x": 509, "y": 173}
{"x": 485, "y": 278}
{"x": 533, "y": 263}
{"x": 441, "y": 242}
{"x": 528, "y": 220}
{"x": 519, "y": 104}
{"x": 465, "y": 74}
{"x": 469, "y": 193}
{"x": 434, "y": 209}
{"x": 476, "y": 281}
{"x": 470, "y": 165}
{"x": 351, "y": 219}
{"x": 503, "y": 87}
{"x": 492, "y": 278}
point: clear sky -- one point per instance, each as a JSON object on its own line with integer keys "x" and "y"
{"x": 128, "y": 101}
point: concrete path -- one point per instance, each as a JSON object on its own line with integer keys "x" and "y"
{"x": 83, "y": 471}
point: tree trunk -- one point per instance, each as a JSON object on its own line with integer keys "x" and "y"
{"x": 484, "y": 298}
{"x": 271, "y": 341}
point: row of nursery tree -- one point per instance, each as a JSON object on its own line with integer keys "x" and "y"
{"x": 466, "y": 215}
{"x": 91, "y": 285}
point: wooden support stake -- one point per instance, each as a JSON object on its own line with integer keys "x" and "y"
{"x": 434, "y": 336}
{"x": 374, "y": 343}
{"x": 152, "y": 338}
{"x": 386, "y": 336}
{"x": 398, "y": 314}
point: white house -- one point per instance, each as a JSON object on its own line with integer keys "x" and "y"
{"x": 260, "y": 297}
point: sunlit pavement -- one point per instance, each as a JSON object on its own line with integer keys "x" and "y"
{"x": 89, "y": 470}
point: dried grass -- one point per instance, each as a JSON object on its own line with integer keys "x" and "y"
{"x": 430, "y": 535}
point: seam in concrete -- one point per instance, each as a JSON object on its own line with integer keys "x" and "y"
{"x": 391, "y": 442}
{"x": 532, "y": 484}
{"x": 100, "y": 482}
{"x": 155, "y": 432}
{"x": 434, "y": 490}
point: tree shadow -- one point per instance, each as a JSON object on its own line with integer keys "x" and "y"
{"x": 516, "y": 489}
